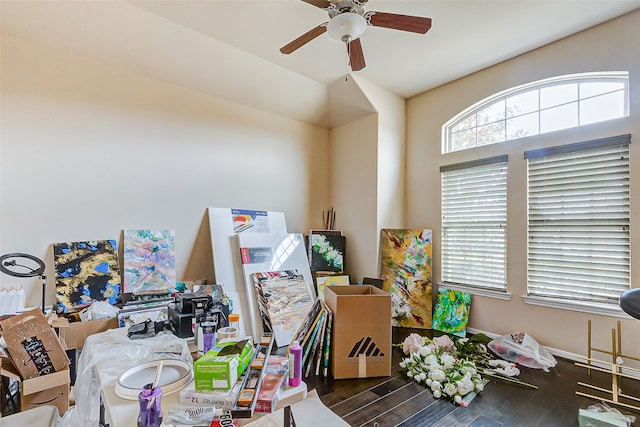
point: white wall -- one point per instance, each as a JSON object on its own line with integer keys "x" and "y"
{"x": 611, "y": 46}
{"x": 87, "y": 150}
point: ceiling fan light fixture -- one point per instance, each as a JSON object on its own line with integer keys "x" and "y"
{"x": 346, "y": 26}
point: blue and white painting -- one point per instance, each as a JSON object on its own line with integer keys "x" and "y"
{"x": 85, "y": 272}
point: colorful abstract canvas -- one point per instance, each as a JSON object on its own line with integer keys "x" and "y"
{"x": 149, "y": 261}
{"x": 327, "y": 251}
{"x": 85, "y": 272}
{"x": 451, "y": 311}
{"x": 405, "y": 268}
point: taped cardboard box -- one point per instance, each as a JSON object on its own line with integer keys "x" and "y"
{"x": 50, "y": 389}
{"x": 32, "y": 345}
{"x": 361, "y": 339}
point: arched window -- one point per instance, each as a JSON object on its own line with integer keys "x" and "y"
{"x": 539, "y": 107}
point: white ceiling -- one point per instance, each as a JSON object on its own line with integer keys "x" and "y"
{"x": 466, "y": 36}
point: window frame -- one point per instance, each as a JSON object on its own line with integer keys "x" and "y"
{"x": 608, "y": 76}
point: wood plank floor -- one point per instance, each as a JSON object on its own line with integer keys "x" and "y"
{"x": 398, "y": 401}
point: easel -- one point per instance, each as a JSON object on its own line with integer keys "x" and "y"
{"x": 615, "y": 370}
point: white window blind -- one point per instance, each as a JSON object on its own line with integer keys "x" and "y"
{"x": 474, "y": 223}
{"x": 578, "y": 220}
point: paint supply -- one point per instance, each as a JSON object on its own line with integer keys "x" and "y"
{"x": 150, "y": 406}
{"x": 295, "y": 364}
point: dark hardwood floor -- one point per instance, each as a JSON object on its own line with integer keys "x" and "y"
{"x": 398, "y": 401}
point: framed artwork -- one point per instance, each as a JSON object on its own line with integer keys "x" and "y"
{"x": 327, "y": 251}
{"x": 85, "y": 272}
{"x": 405, "y": 268}
{"x": 149, "y": 261}
{"x": 451, "y": 311}
{"x": 331, "y": 280}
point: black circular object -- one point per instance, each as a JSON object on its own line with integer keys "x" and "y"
{"x": 9, "y": 260}
{"x": 630, "y": 302}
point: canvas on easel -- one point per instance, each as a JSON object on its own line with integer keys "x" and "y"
{"x": 405, "y": 268}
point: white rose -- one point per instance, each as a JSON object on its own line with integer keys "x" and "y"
{"x": 450, "y": 389}
{"x": 438, "y": 375}
{"x": 435, "y": 385}
{"x": 437, "y": 394}
{"x": 457, "y": 399}
{"x": 425, "y": 350}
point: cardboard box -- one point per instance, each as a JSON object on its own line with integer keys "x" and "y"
{"x": 212, "y": 372}
{"x": 32, "y": 345}
{"x": 50, "y": 389}
{"x": 74, "y": 334}
{"x": 361, "y": 337}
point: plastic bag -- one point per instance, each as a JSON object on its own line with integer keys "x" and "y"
{"x": 523, "y": 349}
{"x": 608, "y": 412}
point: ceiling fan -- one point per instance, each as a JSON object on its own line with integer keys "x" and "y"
{"x": 348, "y": 21}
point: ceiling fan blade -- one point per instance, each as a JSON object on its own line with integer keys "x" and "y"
{"x": 414, "y": 24}
{"x": 356, "y": 55}
{"x": 304, "y": 39}
{"x": 322, "y": 4}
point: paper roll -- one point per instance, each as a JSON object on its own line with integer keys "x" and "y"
{"x": 229, "y": 332}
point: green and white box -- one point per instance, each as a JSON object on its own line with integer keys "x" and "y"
{"x": 212, "y": 372}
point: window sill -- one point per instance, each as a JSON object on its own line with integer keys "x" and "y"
{"x": 583, "y": 306}
{"x": 477, "y": 291}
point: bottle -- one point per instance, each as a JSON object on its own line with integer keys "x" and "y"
{"x": 150, "y": 406}
{"x": 295, "y": 364}
{"x": 234, "y": 322}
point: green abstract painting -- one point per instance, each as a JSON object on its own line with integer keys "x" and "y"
{"x": 451, "y": 311}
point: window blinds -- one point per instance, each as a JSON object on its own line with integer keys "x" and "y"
{"x": 578, "y": 220}
{"x": 474, "y": 223}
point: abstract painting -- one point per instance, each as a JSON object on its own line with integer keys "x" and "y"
{"x": 149, "y": 261}
{"x": 405, "y": 268}
{"x": 284, "y": 300}
{"x": 327, "y": 251}
{"x": 85, "y": 272}
{"x": 339, "y": 280}
{"x": 451, "y": 311}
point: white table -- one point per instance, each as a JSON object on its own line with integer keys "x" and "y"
{"x": 119, "y": 412}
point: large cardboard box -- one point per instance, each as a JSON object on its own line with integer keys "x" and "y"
{"x": 50, "y": 389}
{"x": 361, "y": 337}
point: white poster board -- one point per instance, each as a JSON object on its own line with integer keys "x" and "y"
{"x": 224, "y": 224}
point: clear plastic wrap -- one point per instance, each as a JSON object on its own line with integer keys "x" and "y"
{"x": 114, "y": 353}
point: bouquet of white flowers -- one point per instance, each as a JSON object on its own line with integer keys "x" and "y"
{"x": 436, "y": 363}
{"x": 453, "y": 369}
